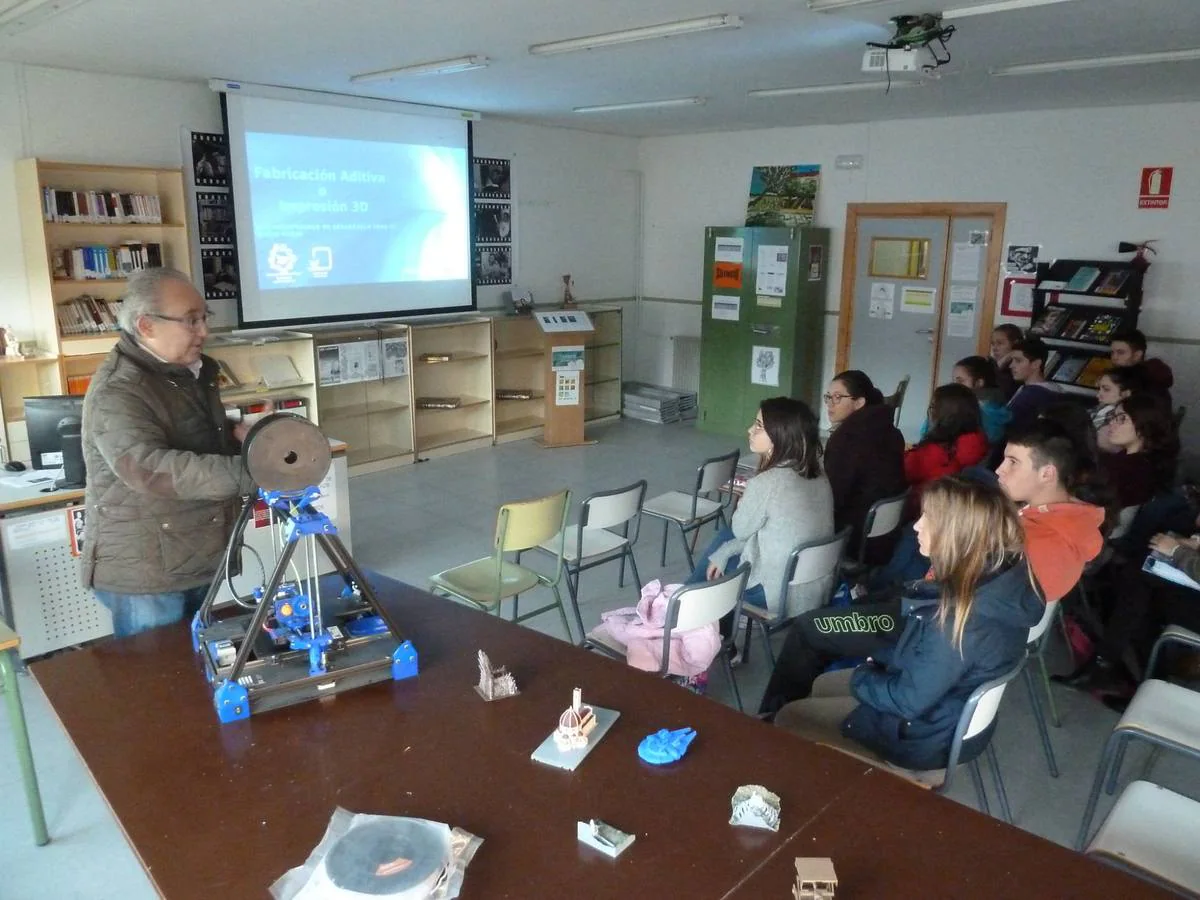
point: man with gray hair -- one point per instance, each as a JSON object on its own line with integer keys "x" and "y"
{"x": 164, "y": 472}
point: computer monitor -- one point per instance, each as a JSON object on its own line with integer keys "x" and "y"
{"x": 42, "y": 415}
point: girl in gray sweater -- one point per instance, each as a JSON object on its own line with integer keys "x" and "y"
{"x": 787, "y": 503}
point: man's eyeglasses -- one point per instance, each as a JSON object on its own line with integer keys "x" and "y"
{"x": 192, "y": 323}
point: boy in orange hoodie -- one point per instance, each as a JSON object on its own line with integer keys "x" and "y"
{"x": 1040, "y": 468}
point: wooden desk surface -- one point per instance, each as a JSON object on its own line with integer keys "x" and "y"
{"x": 214, "y": 809}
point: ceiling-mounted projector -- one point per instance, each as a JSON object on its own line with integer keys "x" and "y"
{"x": 878, "y": 60}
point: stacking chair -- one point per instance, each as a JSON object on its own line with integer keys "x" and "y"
{"x": 692, "y": 606}
{"x": 896, "y": 400}
{"x": 809, "y": 580}
{"x": 1163, "y": 715}
{"x": 592, "y": 542}
{"x": 1151, "y": 833}
{"x": 690, "y": 512}
{"x": 884, "y": 517}
{"x": 1035, "y": 649}
{"x": 486, "y": 582}
{"x": 10, "y": 643}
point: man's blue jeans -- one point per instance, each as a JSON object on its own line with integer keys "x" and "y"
{"x": 134, "y": 613}
{"x": 754, "y": 595}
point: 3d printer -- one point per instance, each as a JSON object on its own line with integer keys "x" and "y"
{"x": 300, "y": 637}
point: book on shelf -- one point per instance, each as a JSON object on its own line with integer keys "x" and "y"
{"x": 1110, "y": 285}
{"x": 1096, "y": 366}
{"x": 98, "y": 262}
{"x": 1102, "y": 327}
{"x": 1051, "y": 321}
{"x": 1052, "y": 359}
{"x": 86, "y": 314}
{"x": 1068, "y": 370}
{"x": 1084, "y": 278}
{"x": 100, "y": 207}
{"x": 277, "y": 370}
{"x": 226, "y": 378}
{"x": 1075, "y": 327}
{"x": 77, "y": 385}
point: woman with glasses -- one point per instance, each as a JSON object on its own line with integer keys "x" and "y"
{"x": 864, "y": 456}
{"x": 1114, "y": 386}
{"x": 787, "y": 503}
{"x": 1142, "y": 434}
{"x": 965, "y": 625}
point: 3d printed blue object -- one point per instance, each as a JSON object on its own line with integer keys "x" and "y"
{"x": 665, "y": 746}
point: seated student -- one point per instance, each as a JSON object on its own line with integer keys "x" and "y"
{"x": 979, "y": 375}
{"x": 1145, "y": 605}
{"x": 1041, "y": 470}
{"x": 787, "y": 503}
{"x": 1028, "y": 364}
{"x": 1128, "y": 348}
{"x": 1114, "y": 386}
{"x": 864, "y": 456}
{"x": 1004, "y": 339}
{"x": 955, "y": 440}
{"x": 1145, "y": 449}
{"x": 965, "y": 625}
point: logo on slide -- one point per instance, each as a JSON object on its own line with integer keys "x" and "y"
{"x": 281, "y": 260}
{"x": 320, "y": 261}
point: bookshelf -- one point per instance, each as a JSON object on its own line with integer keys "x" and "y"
{"x": 602, "y": 366}
{"x": 465, "y": 377}
{"x": 1078, "y": 305}
{"x": 364, "y": 393}
{"x": 82, "y": 191}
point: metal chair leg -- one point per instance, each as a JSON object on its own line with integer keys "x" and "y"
{"x": 1106, "y": 759}
{"x": 746, "y": 640}
{"x": 1001, "y": 794}
{"x": 637, "y": 579}
{"x": 737, "y": 695}
{"x": 1151, "y": 762}
{"x": 766, "y": 636}
{"x": 562, "y": 613}
{"x": 662, "y": 560}
{"x": 1055, "y": 718}
{"x": 1062, "y": 624}
{"x": 687, "y": 549}
{"x": 16, "y": 716}
{"x": 1040, "y": 719}
{"x": 621, "y": 573}
{"x": 980, "y": 793}
{"x": 1115, "y": 773}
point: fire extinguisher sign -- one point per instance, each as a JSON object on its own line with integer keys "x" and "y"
{"x": 1155, "y": 192}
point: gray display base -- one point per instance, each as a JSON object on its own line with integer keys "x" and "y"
{"x": 549, "y": 753}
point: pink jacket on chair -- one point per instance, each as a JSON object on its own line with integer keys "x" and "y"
{"x": 641, "y": 630}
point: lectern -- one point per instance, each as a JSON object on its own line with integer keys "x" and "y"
{"x": 564, "y": 333}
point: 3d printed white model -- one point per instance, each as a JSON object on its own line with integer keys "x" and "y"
{"x": 575, "y": 724}
{"x": 755, "y": 807}
{"x": 603, "y": 837}
{"x": 495, "y": 682}
{"x": 815, "y": 879}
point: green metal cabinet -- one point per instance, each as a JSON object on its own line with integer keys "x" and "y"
{"x": 779, "y": 306}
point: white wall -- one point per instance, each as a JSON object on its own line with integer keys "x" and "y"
{"x": 1070, "y": 179}
{"x": 575, "y": 192}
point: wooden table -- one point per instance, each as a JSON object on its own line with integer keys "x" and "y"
{"x": 216, "y": 810}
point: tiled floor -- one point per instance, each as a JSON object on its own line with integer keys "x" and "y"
{"x": 412, "y": 522}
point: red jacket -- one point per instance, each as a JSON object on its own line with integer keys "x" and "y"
{"x": 927, "y": 462}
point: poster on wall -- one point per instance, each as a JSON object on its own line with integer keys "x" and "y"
{"x": 220, "y": 274}
{"x": 1017, "y": 299}
{"x": 493, "y": 223}
{"x": 75, "y": 523}
{"x": 493, "y": 265}
{"x": 214, "y": 217}
{"x": 764, "y": 366}
{"x": 493, "y": 178}
{"x": 783, "y": 196}
{"x": 1021, "y": 259}
{"x": 210, "y": 159}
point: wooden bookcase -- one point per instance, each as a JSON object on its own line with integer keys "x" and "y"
{"x": 602, "y": 365}
{"x": 241, "y": 352}
{"x": 1077, "y": 321}
{"x": 373, "y": 415}
{"x": 467, "y": 376}
{"x": 65, "y": 356}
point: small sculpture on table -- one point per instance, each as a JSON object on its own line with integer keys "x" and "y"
{"x": 755, "y": 807}
{"x": 815, "y": 878}
{"x": 568, "y": 297}
{"x": 665, "y": 746}
{"x": 603, "y": 837}
{"x": 575, "y": 724}
{"x": 495, "y": 682}
{"x": 522, "y": 303}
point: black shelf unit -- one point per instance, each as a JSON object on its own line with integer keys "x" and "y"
{"x": 1078, "y": 323}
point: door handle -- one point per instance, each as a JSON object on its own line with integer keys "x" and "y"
{"x": 923, "y": 331}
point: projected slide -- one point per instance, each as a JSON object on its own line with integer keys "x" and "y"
{"x": 332, "y": 211}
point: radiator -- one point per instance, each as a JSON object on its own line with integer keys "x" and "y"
{"x": 685, "y": 363}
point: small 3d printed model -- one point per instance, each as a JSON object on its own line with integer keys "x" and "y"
{"x": 603, "y": 837}
{"x": 815, "y": 879}
{"x": 755, "y": 807}
{"x": 575, "y": 724}
{"x": 665, "y": 746}
{"x": 495, "y": 682}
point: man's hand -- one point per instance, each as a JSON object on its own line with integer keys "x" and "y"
{"x": 1167, "y": 544}
{"x": 240, "y": 430}
{"x": 714, "y": 572}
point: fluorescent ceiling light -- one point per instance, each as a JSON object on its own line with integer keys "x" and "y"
{"x": 439, "y": 67}
{"x": 25, "y": 14}
{"x": 835, "y": 5}
{"x": 1099, "y": 62}
{"x": 644, "y": 104}
{"x": 665, "y": 30}
{"x": 831, "y": 88}
{"x": 995, "y": 6}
